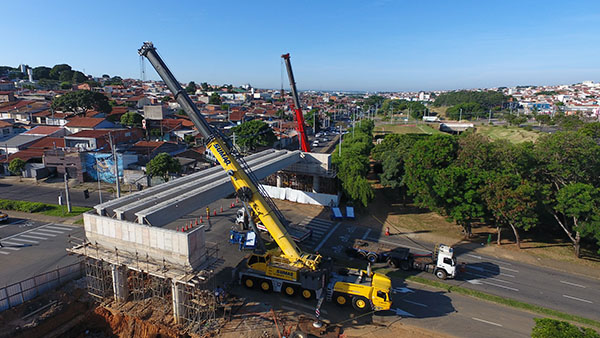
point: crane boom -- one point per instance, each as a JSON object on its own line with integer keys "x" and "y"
{"x": 242, "y": 178}
{"x": 297, "y": 108}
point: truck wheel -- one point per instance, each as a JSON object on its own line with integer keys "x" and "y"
{"x": 265, "y": 285}
{"x": 392, "y": 262}
{"x": 289, "y": 290}
{"x": 307, "y": 294}
{"x": 240, "y": 226}
{"x": 360, "y": 303}
{"x": 372, "y": 258}
{"x": 248, "y": 282}
{"x": 441, "y": 274}
{"x": 404, "y": 265}
{"x": 340, "y": 299}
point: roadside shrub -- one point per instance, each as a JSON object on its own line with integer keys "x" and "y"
{"x": 546, "y": 328}
{"x": 23, "y": 206}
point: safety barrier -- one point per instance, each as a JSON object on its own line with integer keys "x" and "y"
{"x": 20, "y": 292}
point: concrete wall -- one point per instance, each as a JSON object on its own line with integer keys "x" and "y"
{"x": 187, "y": 249}
{"x": 299, "y": 196}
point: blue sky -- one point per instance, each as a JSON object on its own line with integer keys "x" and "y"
{"x": 334, "y": 45}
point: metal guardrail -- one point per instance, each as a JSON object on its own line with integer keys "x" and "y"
{"x": 20, "y": 292}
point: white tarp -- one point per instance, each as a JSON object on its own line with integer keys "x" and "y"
{"x": 303, "y": 197}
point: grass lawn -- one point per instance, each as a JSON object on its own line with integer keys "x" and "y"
{"x": 512, "y": 134}
{"x": 42, "y": 208}
{"x": 406, "y": 129}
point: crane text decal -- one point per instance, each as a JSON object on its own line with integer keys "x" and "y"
{"x": 222, "y": 153}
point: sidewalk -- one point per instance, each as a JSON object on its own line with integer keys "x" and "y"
{"x": 44, "y": 218}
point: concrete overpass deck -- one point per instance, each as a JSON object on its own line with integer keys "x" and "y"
{"x": 166, "y": 202}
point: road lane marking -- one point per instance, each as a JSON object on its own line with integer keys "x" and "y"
{"x": 25, "y": 232}
{"x": 500, "y": 286}
{"x": 13, "y": 249}
{"x": 52, "y": 231}
{"x": 366, "y": 233}
{"x": 488, "y": 277}
{"x": 25, "y": 240}
{"x": 57, "y": 228}
{"x": 569, "y": 283}
{"x": 579, "y": 299}
{"x": 488, "y": 259}
{"x": 487, "y": 322}
{"x": 4, "y": 226}
{"x": 44, "y": 233}
{"x": 415, "y": 303}
{"x": 65, "y": 225}
{"x": 4, "y": 253}
{"x": 328, "y": 235}
{"x": 35, "y": 237}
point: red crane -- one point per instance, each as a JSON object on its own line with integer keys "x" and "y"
{"x": 296, "y": 107}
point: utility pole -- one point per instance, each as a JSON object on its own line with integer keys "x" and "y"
{"x": 99, "y": 187}
{"x": 115, "y": 160}
{"x": 460, "y": 116}
{"x": 66, "y": 176}
{"x": 490, "y": 117}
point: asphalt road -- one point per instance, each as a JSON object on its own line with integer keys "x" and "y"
{"x": 525, "y": 282}
{"x": 40, "y": 193}
{"x": 31, "y": 248}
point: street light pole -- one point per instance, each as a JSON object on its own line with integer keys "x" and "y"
{"x": 116, "y": 166}
{"x": 68, "y": 198}
{"x": 98, "y": 176}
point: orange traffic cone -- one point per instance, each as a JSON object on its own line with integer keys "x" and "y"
{"x": 387, "y": 231}
{"x": 231, "y": 205}
{"x": 237, "y": 200}
{"x": 201, "y": 221}
{"x": 215, "y": 213}
{"x": 221, "y": 209}
{"x": 182, "y": 230}
{"x": 196, "y": 221}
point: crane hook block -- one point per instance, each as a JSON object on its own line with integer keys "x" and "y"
{"x": 245, "y": 194}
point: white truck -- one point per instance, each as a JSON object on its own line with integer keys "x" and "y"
{"x": 441, "y": 262}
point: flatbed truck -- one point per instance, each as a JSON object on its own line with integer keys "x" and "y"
{"x": 440, "y": 262}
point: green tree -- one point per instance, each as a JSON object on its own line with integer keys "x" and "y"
{"x": 78, "y": 77}
{"x": 566, "y": 160}
{"x": 41, "y": 72}
{"x": 16, "y": 166}
{"x": 580, "y": 204}
{"x": 486, "y": 99}
{"x": 465, "y": 111}
{"x": 191, "y": 87}
{"x": 214, "y": 98}
{"x": 59, "y": 69}
{"x": 592, "y": 130}
{"x": 543, "y": 119}
{"x": 551, "y": 328}
{"x": 114, "y": 81}
{"x": 162, "y": 165}
{"x": 81, "y": 101}
{"x": 66, "y": 76}
{"x": 204, "y": 86}
{"x": 253, "y": 134}
{"x": 66, "y": 85}
{"x": 131, "y": 119}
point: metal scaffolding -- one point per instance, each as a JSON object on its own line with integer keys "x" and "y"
{"x": 98, "y": 278}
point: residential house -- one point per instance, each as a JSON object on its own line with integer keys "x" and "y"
{"x": 77, "y": 124}
{"x": 17, "y": 143}
{"x": 148, "y": 149}
{"x": 51, "y": 131}
{"x": 6, "y": 129}
{"x": 7, "y": 96}
{"x": 91, "y": 140}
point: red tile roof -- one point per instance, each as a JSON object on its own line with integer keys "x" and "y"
{"x": 91, "y": 133}
{"x": 84, "y": 122}
{"x": 42, "y": 130}
{"x": 48, "y": 143}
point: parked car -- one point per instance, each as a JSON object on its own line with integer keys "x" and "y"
{"x": 3, "y": 216}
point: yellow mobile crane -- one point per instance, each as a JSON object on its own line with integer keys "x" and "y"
{"x": 286, "y": 269}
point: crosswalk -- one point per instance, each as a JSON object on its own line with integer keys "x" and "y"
{"x": 319, "y": 227}
{"x": 32, "y": 237}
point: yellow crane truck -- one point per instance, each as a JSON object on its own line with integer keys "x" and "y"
{"x": 286, "y": 269}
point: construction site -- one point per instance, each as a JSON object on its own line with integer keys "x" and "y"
{"x": 152, "y": 266}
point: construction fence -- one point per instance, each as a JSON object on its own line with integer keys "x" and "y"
{"x": 20, "y": 292}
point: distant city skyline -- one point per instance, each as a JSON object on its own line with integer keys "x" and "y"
{"x": 334, "y": 45}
